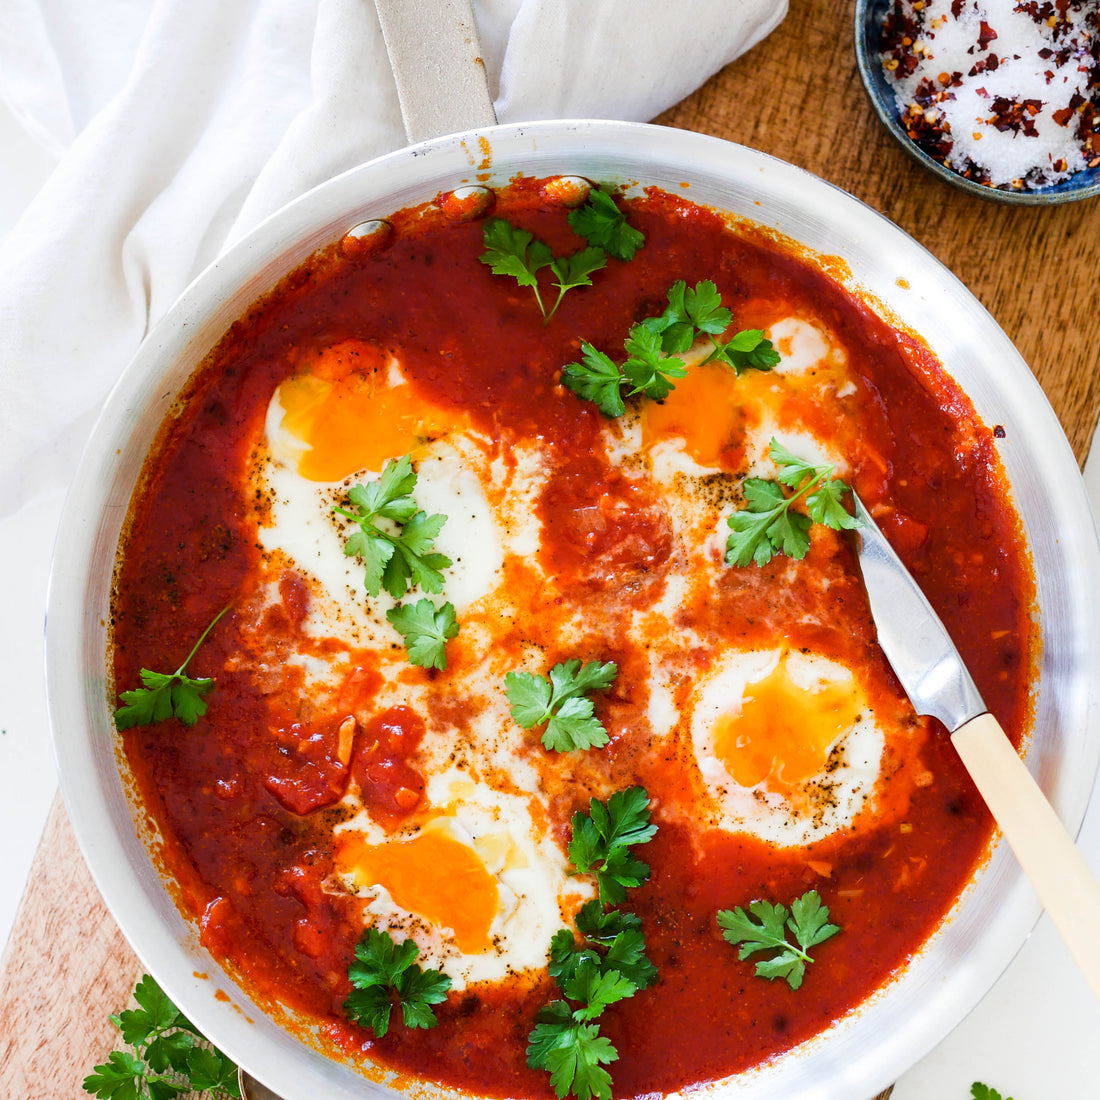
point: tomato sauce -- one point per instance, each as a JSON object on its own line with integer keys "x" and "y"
{"x": 246, "y": 816}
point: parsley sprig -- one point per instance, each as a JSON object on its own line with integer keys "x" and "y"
{"x": 653, "y": 347}
{"x": 426, "y": 630}
{"x": 612, "y": 940}
{"x": 170, "y": 1056}
{"x": 978, "y": 1091}
{"x": 168, "y": 694}
{"x": 808, "y": 921}
{"x": 600, "y": 221}
{"x": 561, "y": 701}
{"x": 385, "y": 973}
{"x": 512, "y": 251}
{"x": 400, "y": 555}
{"x": 767, "y": 525}
{"x": 603, "y": 837}
{"x": 607, "y": 966}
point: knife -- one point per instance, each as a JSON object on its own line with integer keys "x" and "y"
{"x": 921, "y": 652}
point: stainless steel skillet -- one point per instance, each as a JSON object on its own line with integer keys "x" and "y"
{"x": 863, "y": 1053}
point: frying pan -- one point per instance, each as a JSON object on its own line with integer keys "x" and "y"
{"x": 864, "y": 1052}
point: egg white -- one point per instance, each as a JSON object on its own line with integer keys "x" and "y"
{"x": 535, "y": 893}
{"x": 836, "y": 795}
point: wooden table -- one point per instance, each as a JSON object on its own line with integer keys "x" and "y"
{"x": 797, "y": 96}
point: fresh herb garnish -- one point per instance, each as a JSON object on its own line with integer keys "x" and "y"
{"x": 604, "y": 225}
{"x": 384, "y": 973}
{"x": 978, "y": 1091}
{"x": 808, "y": 920}
{"x": 613, "y": 940}
{"x": 653, "y": 345}
{"x": 512, "y": 251}
{"x": 602, "y": 839}
{"x": 607, "y": 966}
{"x": 400, "y": 555}
{"x": 562, "y": 703}
{"x": 168, "y": 1059}
{"x": 168, "y": 695}
{"x": 426, "y": 630}
{"x": 767, "y": 526}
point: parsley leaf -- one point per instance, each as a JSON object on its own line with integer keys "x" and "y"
{"x": 574, "y": 270}
{"x": 653, "y": 344}
{"x": 606, "y": 967}
{"x": 808, "y": 920}
{"x": 515, "y": 252}
{"x": 167, "y": 695}
{"x": 978, "y": 1091}
{"x": 168, "y": 1060}
{"x": 512, "y": 251}
{"x": 426, "y": 631}
{"x": 602, "y": 839}
{"x": 613, "y": 940}
{"x": 748, "y": 350}
{"x": 400, "y": 555}
{"x": 573, "y": 1051}
{"x": 596, "y": 378}
{"x": 384, "y": 972}
{"x": 767, "y": 526}
{"x": 562, "y": 703}
{"x": 600, "y": 221}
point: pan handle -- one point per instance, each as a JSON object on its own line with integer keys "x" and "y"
{"x": 436, "y": 59}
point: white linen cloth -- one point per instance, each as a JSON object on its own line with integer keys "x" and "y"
{"x": 181, "y": 124}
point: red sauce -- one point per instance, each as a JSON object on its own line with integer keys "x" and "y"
{"x": 245, "y": 799}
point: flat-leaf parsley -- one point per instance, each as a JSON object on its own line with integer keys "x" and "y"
{"x": 600, "y": 221}
{"x": 653, "y": 345}
{"x": 764, "y": 928}
{"x": 607, "y": 966}
{"x": 398, "y": 554}
{"x": 426, "y": 630}
{"x": 168, "y": 694}
{"x": 169, "y": 1059}
{"x": 512, "y": 251}
{"x": 767, "y": 525}
{"x": 385, "y": 972}
{"x": 602, "y": 839}
{"x": 978, "y": 1091}
{"x": 561, "y": 701}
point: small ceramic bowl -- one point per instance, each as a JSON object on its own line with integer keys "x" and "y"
{"x": 869, "y": 18}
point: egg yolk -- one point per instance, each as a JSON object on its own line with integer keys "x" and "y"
{"x": 702, "y": 410}
{"x": 354, "y": 413}
{"x": 433, "y": 875}
{"x": 783, "y": 733}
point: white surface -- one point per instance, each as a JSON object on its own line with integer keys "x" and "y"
{"x": 1033, "y": 1036}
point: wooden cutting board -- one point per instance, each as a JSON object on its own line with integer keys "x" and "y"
{"x": 797, "y": 96}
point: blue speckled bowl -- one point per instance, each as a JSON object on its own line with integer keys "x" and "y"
{"x": 870, "y": 15}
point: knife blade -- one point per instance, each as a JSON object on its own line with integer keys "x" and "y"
{"x": 938, "y": 684}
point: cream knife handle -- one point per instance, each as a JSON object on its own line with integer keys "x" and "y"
{"x": 1066, "y": 886}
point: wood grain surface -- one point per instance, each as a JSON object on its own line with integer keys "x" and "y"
{"x": 797, "y": 96}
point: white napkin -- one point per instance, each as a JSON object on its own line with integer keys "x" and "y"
{"x": 180, "y": 124}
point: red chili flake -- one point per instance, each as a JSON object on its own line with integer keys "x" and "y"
{"x": 985, "y": 35}
{"x": 957, "y": 7}
{"x": 1016, "y": 115}
{"x": 1063, "y": 116}
{"x": 998, "y": 431}
{"x": 985, "y": 65}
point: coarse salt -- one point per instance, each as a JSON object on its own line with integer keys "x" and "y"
{"x": 1006, "y": 93}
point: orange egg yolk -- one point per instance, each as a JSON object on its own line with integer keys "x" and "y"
{"x": 703, "y": 410}
{"x": 434, "y": 876}
{"x": 783, "y": 733}
{"x": 352, "y": 416}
